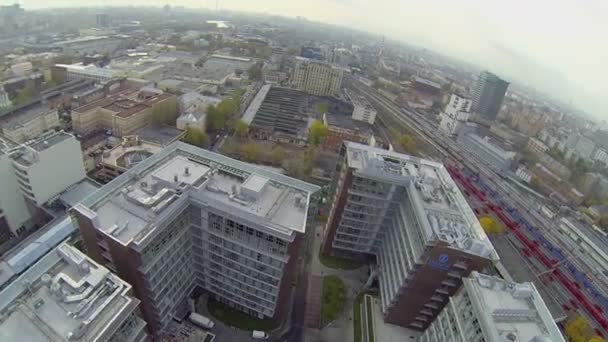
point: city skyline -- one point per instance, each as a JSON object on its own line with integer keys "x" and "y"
{"x": 546, "y": 57}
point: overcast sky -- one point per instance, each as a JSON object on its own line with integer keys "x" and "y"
{"x": 556, "y": 46}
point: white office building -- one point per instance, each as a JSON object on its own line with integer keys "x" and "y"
{"x": 186, "y": 218}
{"x": 47, "y": 166}
{"x": 410, "y": 215}
{"x": 32, "y": 174}
{"x": 491, "y": 309}
{"x": 362, "y": 109}
{"x": 455, "y": 114}
{"x": 66, "y": 296}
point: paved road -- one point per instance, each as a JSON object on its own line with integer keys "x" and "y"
{"x": 298, "y": 311}
{"x": 313, "y": 307}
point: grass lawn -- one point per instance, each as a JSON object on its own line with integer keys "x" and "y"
{"x": 370, "y": 320}
{"x": 357, "y": 316}
{"x": 237, "y": 92}
{"x": 357, "y": 319}
{"x": 334, "y": 294}
{"x": 337, "y": 262}
{"x": 238, "y": 319}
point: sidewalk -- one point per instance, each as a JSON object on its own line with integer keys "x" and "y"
{"x": 342, "y": 328}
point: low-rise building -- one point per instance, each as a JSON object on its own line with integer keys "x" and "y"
{"x": 601, "y": 156}
{"x": 66, "y": 296}
{"x": 80, "y": 71}
{"x": 90, "y": 45}
{"x": 193, "y": 119}
{"x": 536, "y": 146}
{"x": 29, "y": 121}
{"x": 5, "y": 102}
{"x": 487, "y": 308}
{"x": 523, "y": 174}
{"x": 362, "y": 109}
{"x": 279, "y": 114}
{"x": 582, "y": 146}
{"x": 122, "y": 113}
{"x": 426, "y": 86}
{"x": 341, "y": 128}
{"x": 485, "y": 150}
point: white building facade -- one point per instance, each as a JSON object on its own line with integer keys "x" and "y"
{"x": 491, "y": 309}
{"x": 192, "y": 218}
{"x": 36, "y": 173}
{"x": 455, "y": 114}
{"x": 406, "y": 212}
{"x": 68, "y": 297}
{"x": 362, "y": 109}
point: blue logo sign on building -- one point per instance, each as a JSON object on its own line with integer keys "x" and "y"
{"x": 442, "y": 262}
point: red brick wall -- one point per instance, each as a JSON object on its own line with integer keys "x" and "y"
{"x": 340, "y": 203}
{"x": 424, "y": 283}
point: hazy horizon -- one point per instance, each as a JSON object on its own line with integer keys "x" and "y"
{"x": 553, "y": 46}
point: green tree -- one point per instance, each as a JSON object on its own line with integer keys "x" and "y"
{"x": 603, "y": 222}
{"x": 241, "y": 128}
{"x": 301, "y": 165}
{"x": 278, "y": 155}
{"x": 165, "y": 112}
{"x": 25, "y": 95}
{"x": 195, "y": 137}
{"x": 322, "y": 108}
{"x": 216, "y": 120}
{"x": 255, "y": 71}
{"x": 317, "y": 132}
{"x": 408, "y": 144}
{"x": 535, "y": 183}
{"x": 228, "y": 107}
{"x": 250, "y": 151}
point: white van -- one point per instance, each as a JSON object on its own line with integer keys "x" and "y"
{"x": 260, "y": 335}
{"x": 201, "y": 321}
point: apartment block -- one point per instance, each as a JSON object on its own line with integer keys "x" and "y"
{"x": 362, "y": 109}
{"x": 123, "y": 112}
{"x": 32, "y": 174}
{"x": 409, "y": 215}
{"x": 186, "y": 218}
{"x": 491, "y": 309}
{"x": 66, "y": 296}
{"x": 454, "y": 115}
{"x": 317, "y": 78}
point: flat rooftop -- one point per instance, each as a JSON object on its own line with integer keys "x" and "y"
{"x": 26, "y": 155}
{"x": 443, "y": 212}
{"x": 64, "y": 294}
{"x": 18, "y": 116}
{"x": 161, "y": 135}
{"x": 505, "y": 308}
{"x": 132, "y": 205}
{"x": 126, "y": 103}
{"x": 282, "y": 110}
{"x": 347, "y": 122}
